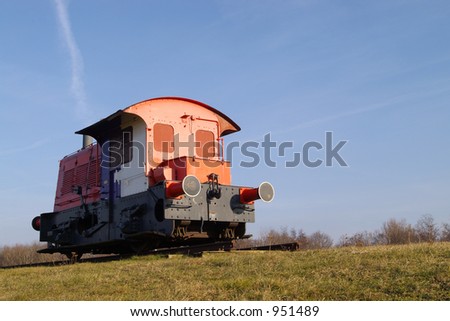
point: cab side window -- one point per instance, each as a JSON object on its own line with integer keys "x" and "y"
{"x": 121, "y": 147}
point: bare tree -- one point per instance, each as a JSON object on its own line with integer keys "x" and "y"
{"x": 358, "y": 239}
{"x": 277, "y": 237}
{"x": 302, "y": 239}
{"x": 319, "y": 240}
{"x": 445, "y": 233}
{"x": 397, "y": 232}
{"x": 426, "y": 229}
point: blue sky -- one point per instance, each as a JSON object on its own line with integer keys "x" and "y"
{"x": 374, "y": 73}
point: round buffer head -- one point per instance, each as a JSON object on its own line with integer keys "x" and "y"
{"x": 191, "y": 186}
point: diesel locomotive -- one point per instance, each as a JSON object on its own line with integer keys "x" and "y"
{"x": 154, "y": 175}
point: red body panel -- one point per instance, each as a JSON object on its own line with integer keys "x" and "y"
{"x": 78, "y": 172}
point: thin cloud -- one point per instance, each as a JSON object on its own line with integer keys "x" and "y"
{"x": 389, "y": 103}
{"x": 77, "y": 83}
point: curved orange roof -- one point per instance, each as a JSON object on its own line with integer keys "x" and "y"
{"x": 227, "y": 126}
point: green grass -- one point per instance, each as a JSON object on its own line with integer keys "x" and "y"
{"x": 411, "y": 272}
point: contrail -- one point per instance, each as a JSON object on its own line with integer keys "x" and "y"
{"x": 77, "y": 84}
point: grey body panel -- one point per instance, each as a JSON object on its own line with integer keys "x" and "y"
{"x": 147, "y": 216}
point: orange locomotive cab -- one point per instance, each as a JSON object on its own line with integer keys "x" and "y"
{"x": 184, "y": 138}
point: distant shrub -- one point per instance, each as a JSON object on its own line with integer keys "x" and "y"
{"x": 25, "y": 254}
{"x": 314, "y": 241}
{"x": 445, "y": 233}
{"x": 400, "y": 232}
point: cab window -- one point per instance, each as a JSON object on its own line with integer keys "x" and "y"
{"x": 163, "y": 138}
{"x": 205, "y": 144}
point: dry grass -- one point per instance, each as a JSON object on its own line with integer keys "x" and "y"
{"x": 409, "y": 272}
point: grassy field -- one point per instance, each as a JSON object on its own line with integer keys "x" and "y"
{"x": 410, "y": 272}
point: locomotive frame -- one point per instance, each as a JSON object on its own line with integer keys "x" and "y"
{"x": 155, "y": 177}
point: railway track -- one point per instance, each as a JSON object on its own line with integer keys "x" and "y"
{"x": 192, "y": 250}
{"x": 291, "y": 246}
